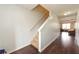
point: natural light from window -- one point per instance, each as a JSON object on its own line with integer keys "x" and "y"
{"x": 66, "y": 26}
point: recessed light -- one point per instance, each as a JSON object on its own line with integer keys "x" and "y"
{"x": 67, "y": 13}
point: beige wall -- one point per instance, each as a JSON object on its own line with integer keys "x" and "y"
{"x": 16, "y": 24}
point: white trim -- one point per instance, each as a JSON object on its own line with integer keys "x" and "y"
{"x": 39, "y": 49}
{"x": 19, "y": 48}
{"x": 43, "y": 25}
{"x": 56, "y": 36}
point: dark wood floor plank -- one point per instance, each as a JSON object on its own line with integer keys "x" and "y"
{"x": 26, "y": 50}
{"x": 65, "y": 44}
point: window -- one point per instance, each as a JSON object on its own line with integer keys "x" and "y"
{"x": 66, "y": 26}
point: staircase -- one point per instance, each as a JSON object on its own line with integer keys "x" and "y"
{"x": 35, "y": 41}
{"x": 45, "y": 13}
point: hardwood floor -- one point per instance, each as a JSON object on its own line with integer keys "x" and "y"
{"x": 65, "y": 44}
{"x": 26, "y": 50}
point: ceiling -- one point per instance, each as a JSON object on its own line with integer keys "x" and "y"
{"x": 28, "y": 6}
{"x": 61, "y": 9}
{"x": 66, "y": 12}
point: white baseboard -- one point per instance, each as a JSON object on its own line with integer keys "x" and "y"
{"x": 49, "y": 43}
{"x": 40, "y": 50}
{"x": 19, "y": 48}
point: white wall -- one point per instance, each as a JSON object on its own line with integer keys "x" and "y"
{"x": 77, "y": 29}
{"x": 15, "y": 26}
{"x": 49, "y": 31}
